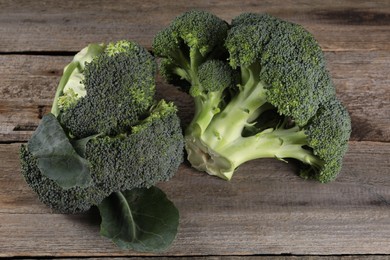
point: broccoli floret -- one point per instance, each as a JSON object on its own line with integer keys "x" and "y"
{"x": 327, "y": 135}
{"x": 283, "y": 59}
{"x": 108, "y": 94}
{"x": 187, "y": 42}
{"x": 282, "y": 104}
{"x": 150, "y": 153}
{"x": 191, "y": 40}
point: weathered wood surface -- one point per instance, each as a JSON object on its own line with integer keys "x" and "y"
{"x": 70, "y": 25}
{"x": 265, "y": 209}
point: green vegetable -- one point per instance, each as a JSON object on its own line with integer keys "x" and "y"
{"x": 56, "y": 157}
{"x": 147, "y": 221}
{"x": 71, "y": 87}
{"x": 106, "y": 134}
{"x": 261, "y": 90}
{"x": 122, "y": 162}
{"x": 118, "y": 84}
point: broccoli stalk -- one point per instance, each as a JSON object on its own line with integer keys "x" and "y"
{"x": 273, "y": 98}
{"x": 222, "y": 158}
{"x": 222, "y": 147}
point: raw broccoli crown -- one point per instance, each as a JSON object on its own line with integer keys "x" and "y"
{"x": 326, "y": 172}
{"x": 187, "y": 42}
{"x": 198, "y": 30}
{"x": 288, "y": 59}
{"x": 120, "y": 85}
{"x": 129, "y": 160}
{"x": 214, "y": 75}
{"x": 329, "y": 130}
{"x": 327, "y": 135}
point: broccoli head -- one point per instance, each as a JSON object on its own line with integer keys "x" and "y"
{"x": 109, "y": 92}
{"x": 151, "y": 152}
{"x": 106, "y": 133}
{"x": 185, "y": 46}
{"x": 282, "y": 58}
{"x": 272, "y": 96}
{"x": 187, "y": 42}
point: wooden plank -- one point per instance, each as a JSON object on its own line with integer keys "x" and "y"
{"x": 38, "y": 235}
{"x": 362, "y": 82}
{"x": 28, "y": 84}
{"x": 257, "y": 257}
{"x": 25, "y": 26}
{"x": 265, "y": 209}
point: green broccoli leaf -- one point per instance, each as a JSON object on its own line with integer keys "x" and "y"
{"x": 56, "y": 157}
{"x": 140, "y": 219}
{"x": 80, "y": 145}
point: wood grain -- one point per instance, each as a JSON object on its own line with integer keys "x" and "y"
{"x": 265, "y": 209}
{"x": 70, "y": 25}
{"x": 257, "y": 257}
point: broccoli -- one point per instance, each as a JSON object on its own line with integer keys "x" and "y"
{"x": 261, "y": 89}
{"x": 141, "y": 158}
{"x": 106, "y": 133}
{"x": 191, "y": 39}
{"x": 118, "y": 84}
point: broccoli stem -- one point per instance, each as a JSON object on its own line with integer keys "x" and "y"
{"x": 231, "y": 121}
{"x": 65, "y": 78}
{"x": 270, "y": 143}
{"x": 187, "y": 66}
{"x": 206, "y": 106}
{"x": 222, "y": 160}
{"x": 182, "y": 73}
{"x": 183, "y": 66}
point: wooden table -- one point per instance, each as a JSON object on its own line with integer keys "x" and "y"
{"x": 266, "y": 209}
